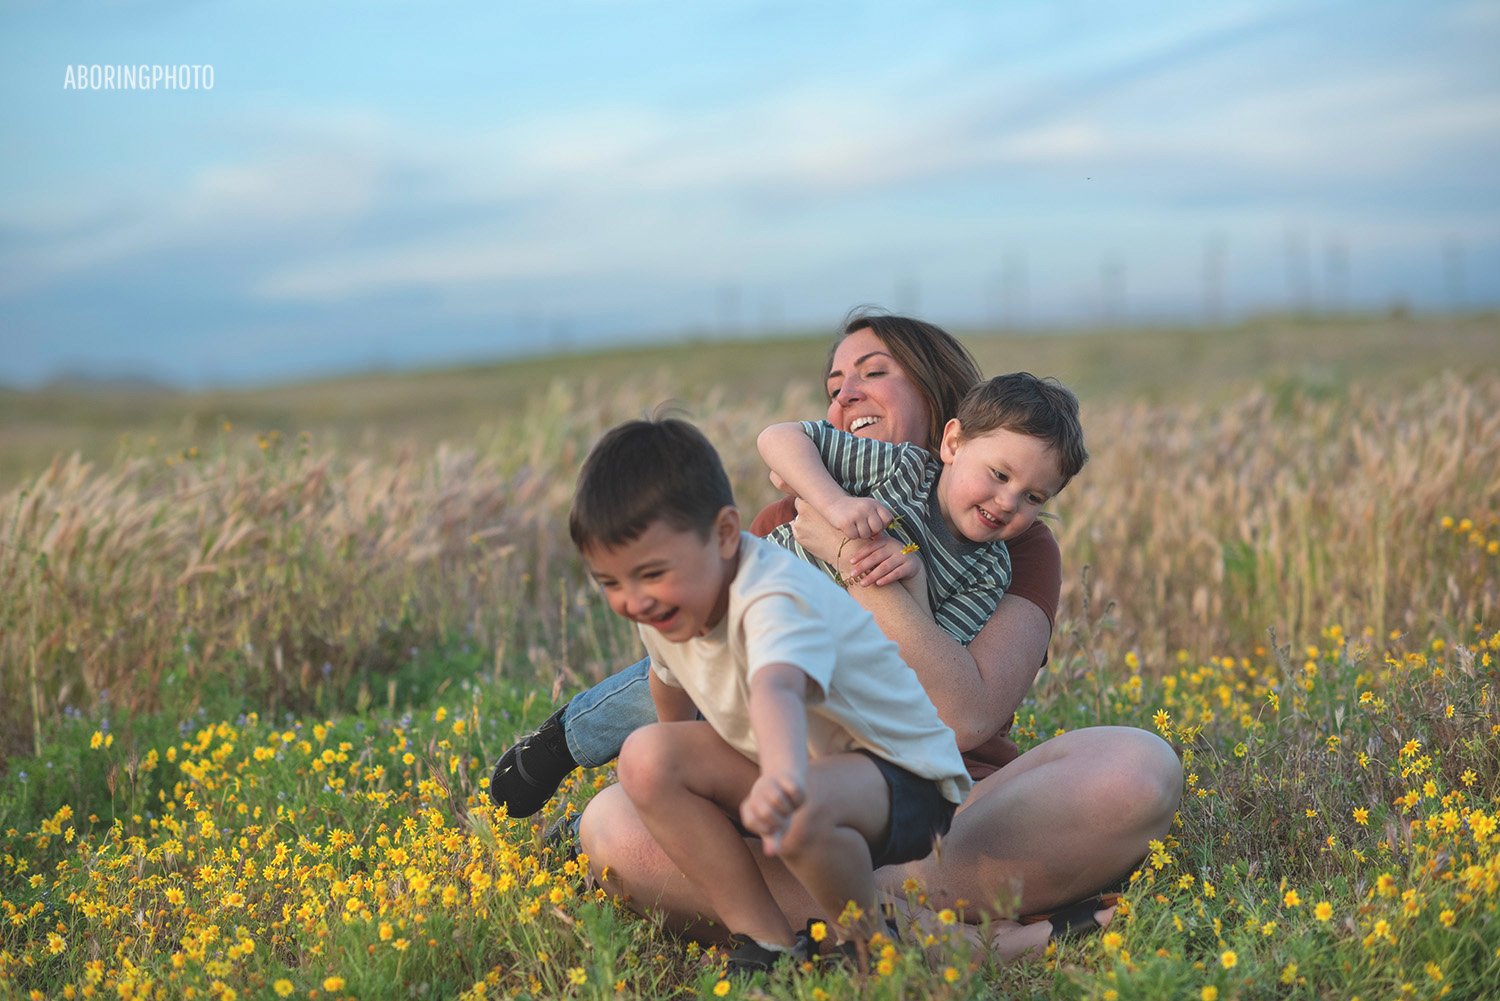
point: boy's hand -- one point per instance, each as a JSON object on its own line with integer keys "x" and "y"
{"x": 882, "y": 560}
{"x": 858, "y": 517}
{"x": 767, "y": 809}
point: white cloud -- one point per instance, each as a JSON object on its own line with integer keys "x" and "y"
{"x": 1479, "y": 14}
{"x": 452, "y": 261}
{"x": 1057, "y": 142}
{"x": 621, "y": 188}
{"x": 320, "y": 187}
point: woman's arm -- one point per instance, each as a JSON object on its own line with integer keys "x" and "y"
{"x": 975, "y": 688}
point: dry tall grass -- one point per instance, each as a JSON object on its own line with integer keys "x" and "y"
{"x": 292, "y": 566}
{"x": 1209, "y": 524}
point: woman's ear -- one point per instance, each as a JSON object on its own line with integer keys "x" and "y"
{"x": 953, "y": 433}
{"x": 727, "y": 531}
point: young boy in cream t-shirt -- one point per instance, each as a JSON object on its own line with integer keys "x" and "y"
{"x": 816, "y": 737}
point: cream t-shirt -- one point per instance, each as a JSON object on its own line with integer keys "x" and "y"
{"x": 862, "y": 695}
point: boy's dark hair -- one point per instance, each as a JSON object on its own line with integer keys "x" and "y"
{"x": 643, "y": 471}
{"x": 1026, "y": 404}
{"x": 941, "y": 368}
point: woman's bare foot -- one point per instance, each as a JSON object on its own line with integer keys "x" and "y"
{"x": 1011, "y": 940}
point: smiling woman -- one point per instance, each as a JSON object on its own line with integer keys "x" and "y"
{"x": 896, "y": 379}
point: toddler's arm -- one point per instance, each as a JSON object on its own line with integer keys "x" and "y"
{"x": 778, "y": 717}
{"x": 793, "y": 456}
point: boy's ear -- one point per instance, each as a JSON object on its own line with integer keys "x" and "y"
{"x": 953, "y": 433}
{"x": 727, "y": 531}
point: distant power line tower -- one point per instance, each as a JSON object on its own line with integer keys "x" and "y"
{"x": 1336, "y": 276}
{"x": 993, "y": 297}
{"x": 1453, "y": 274}
{"x": 1112, "y": 291}
{"x": 909, "y": 295}
{"x": 1215, "y": 253}
{"x": 1013, "y": 290}
{"x": 729, "y": 308}
{"x": 772, "y": 314}
{"x": 1298, "y": 272}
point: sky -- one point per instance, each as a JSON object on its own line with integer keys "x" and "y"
{"x": 387, "y": 184}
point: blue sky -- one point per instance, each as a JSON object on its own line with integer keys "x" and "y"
{"x": 385, "y": 184}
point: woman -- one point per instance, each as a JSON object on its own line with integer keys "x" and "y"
{"x": 1055, "y": 825}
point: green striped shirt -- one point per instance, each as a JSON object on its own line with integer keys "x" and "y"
{"x": 964, "y": 579}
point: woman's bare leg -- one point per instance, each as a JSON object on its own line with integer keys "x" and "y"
{"x": 1068, "y": 818}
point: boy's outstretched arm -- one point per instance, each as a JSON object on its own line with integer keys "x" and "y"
{"x": 778, "y": 717}
{"x": 791, "y": 454}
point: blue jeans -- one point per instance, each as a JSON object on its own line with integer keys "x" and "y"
{"x": 596, "y": 722}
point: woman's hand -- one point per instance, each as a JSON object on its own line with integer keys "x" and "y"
{"x": 882, "y": 560}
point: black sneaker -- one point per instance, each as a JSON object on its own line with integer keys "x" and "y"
{"x": 747, "y": 957}
{"x": 562, "y": 837}
{"x": 530, "y": 772}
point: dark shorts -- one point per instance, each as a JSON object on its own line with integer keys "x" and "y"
{"x": 920, "y": 814}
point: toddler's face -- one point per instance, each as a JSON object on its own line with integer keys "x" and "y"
{"x": 995, "y": 484}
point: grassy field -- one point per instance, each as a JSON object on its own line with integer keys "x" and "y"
{"x": 260, "y": 647}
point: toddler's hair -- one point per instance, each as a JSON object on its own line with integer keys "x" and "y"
{"x": 644, "y": 471}
{"x": 1035, "y": 407}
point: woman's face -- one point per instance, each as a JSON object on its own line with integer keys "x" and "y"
{"x": 871, "y": 396}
